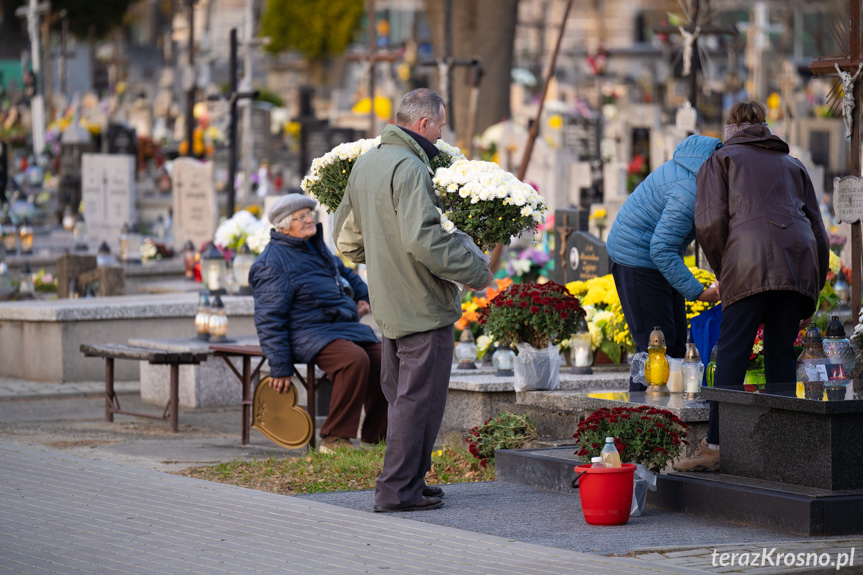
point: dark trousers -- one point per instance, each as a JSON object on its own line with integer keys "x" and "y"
{"x": 648, "y": 300}
{"x": 355, "y": 370}
{"x": 415, "y": 379}
{"x": 780, "y": 312}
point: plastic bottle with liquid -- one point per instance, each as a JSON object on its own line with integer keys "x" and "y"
{"x": 596, "y": 462}
{"x": 609, "y": 454}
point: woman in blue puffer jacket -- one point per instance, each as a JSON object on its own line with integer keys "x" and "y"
{"x": 646, "y": 246}
{"x": 308, "y": 307}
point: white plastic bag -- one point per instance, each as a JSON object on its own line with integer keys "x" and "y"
{"x": 537, "y": 368}
{"x": 636, "y": 370}
{"x": 644, "y": 481}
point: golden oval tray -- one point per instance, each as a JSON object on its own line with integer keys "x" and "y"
{"x": 278, "y": 418}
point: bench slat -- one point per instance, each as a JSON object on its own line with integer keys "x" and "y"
{"x": 154, "y": 356}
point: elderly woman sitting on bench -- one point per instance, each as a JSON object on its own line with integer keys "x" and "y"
{"x": 308, "y": 307}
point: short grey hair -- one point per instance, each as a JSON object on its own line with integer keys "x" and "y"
{"x": 284, "y": 223}
{"x": 421, "y": 103}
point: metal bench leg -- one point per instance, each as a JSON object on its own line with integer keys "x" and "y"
{"x": 247, "y": 397}
{"x": 175, "y": 395}
{"x": 109, "y": 389}
{"x": 311, "y": 401}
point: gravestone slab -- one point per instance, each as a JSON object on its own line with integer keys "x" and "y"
{"x": 585, "y": 257}
{"x": 566, "y": 223}
{"x": 69, "y": 267}
{"x": 122, "y": 140}
{"x": 70, "y": 172}
{"x": 195, "y": 209}
{"x": 848, "y": 199}
{"x": 777, "y": 436}
{"x": 102, "y": 282}
{"x": 108, "y": 190}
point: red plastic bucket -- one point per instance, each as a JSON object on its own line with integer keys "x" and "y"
{"x": 606, "y": 493}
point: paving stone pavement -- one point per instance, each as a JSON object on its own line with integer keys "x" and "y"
{"x": 64, "y": 514}
{"x": 11, "y": 388}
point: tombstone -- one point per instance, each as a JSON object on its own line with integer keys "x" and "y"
{"x": 69, "y": 267}
{"x": 103, "y": 281}
{"x": 195, "y": 209}
{"x": 74, "y": 143}
{"x": 825, "y": 139}
{"x": 108, "y": 191}
{"x": 586, "y": 258}
{"x": 122, "y": 140}
{"x": 581, "y": 137}
{"x": 317, "y": 138}
{"x": 566, "y": 224}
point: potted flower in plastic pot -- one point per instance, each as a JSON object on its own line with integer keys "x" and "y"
{"x": 535, "y": 318}
{"x": 649, "y": 437}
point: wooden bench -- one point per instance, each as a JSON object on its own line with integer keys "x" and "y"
{"x": 112, "y": 351}
{"x": 246, "y": 353}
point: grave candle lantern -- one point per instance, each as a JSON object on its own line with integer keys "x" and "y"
{"x": 189, "y": 259}
{"x": 837, "y": 346}
{"x": 503, "y": 360}
{"x": 581, "y": 342}
{"x": 656, "y": 370}
{"x": 466, "y": 351}
{"x": 10, "y": 237}
{"x": 242, "y": 264}
{"x": 80, "y": 234}
{"x": 25, "y": 237}
{"x": 202, "y": 317}
{"x": 218, "y": 325}
{"x": 213, "y": 267}
{"x": 123, "y": 252}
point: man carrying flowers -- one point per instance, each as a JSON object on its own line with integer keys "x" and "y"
{"x": 390, "y": 219}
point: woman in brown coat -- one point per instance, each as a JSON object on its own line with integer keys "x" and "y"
{"x": 758, "y": 222}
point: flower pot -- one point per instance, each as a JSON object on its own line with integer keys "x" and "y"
{"x": 600, "y": 358}
{"x": 605, "y": 493}
{"x": 754, "y": 381}
{"x": 536, "y": 368}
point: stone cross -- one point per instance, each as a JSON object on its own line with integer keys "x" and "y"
{"x": 370, "y": 59}
{"x": 32, "y": 12}
{"x": 848, "y": 64}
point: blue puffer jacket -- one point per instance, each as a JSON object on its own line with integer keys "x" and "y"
{"x": 301, "y": 305}
{"x": 657, "y": 222}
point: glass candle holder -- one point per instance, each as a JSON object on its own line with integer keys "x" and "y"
{"x": 503, "y": 360}
{"x": 692, "y": 376}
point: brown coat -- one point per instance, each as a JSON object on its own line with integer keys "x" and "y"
{"x": 757, "y": 219}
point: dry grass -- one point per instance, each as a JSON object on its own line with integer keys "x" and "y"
{"x": 344, "y": 470}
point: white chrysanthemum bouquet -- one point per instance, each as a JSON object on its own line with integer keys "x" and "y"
{"x": 486, "y": 202}
{"x": 242, "y": 228}
{"x": 328, "y": 176}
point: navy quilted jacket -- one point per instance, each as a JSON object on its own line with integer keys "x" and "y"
{"x": 657, "y": 222}
{"x": 301, "y": 305}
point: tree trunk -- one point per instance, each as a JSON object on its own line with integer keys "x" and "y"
{"x": 484, "y": 29}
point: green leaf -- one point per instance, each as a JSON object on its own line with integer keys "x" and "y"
{"x": 612, "y": 350}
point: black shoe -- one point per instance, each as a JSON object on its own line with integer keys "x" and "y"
{"x": 432, "y": 491}
{"x": 424, "y": 505}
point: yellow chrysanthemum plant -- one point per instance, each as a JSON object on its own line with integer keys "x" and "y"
{"x": 694, "y": 308}
{"x": 608, "y": 330}
{"x": 604, "y": 313}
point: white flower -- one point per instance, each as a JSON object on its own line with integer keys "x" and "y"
{"x": 258, "y": 240}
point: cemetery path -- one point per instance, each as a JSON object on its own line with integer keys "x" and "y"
{"x": 78, "y": 494}
{"x": 60, "y": 513}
